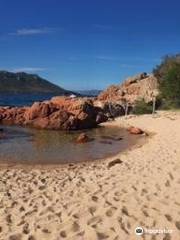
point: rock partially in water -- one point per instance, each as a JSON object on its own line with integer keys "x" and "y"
{"x": 135, "y": 130}
{"x": 60, "y": 113}
{"x": 82, "y": 138}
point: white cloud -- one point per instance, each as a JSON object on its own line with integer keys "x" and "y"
{"x": 32, "y": 31}
{"x": 29, "y": 69}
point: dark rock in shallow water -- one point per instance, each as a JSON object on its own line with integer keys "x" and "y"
{"x": 114, "y": 162}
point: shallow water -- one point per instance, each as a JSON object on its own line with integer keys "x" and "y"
{"x": 24, "y": 145}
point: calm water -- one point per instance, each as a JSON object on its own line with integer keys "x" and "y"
{"x": 25, "y": 145}
{"x": 22, "y": 99}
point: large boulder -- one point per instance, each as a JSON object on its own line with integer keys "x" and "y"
{"x": 59, "y": 113}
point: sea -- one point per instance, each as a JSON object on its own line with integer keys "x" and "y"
{"x": 20, "y": 100}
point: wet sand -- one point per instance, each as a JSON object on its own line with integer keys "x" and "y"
{"x": 96, "y": 201}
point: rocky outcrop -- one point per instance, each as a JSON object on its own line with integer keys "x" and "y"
{"x": 60, "y": 113}
{"x": 142, "y": 86}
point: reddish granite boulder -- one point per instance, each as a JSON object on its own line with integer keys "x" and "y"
{"x": 135, "y": 130}
{"x": 59, "y": 113}
{"x": 82, "y": 138}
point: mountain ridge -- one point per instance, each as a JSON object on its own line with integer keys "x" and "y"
{"x": 22, "y": 82}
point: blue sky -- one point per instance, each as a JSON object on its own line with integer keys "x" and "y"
{"x": 82, "y": 44}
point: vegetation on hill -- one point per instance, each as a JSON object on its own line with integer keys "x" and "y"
{"x": 27, "y": 83}
{"x": 168, "y": 75}
{"x": 142, "y": 107}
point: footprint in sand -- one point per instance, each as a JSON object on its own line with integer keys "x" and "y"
{"x": 171, "y": 176}
{"x": 31, "y": 237}
{"x": 110, "y": 212}
{"x": 101, "y": 236}
{"x": 92, "y": 210}
{"x": 94, "y": 221}
{"x": 167, "y": 237}
{"x": 177, "y": 223}
{"x": 63, "y": 234}
{"x": 17, "y": 236}
{"x": 167, "y": 184}
{"x": 146, "y": 214}
{"x": 75, "y": 227}
{"x": 125, "y": 211}
{"x": 168, "y": 217}
{"x": 94, "y": 198}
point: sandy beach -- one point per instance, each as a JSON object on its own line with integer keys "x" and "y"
{"x": 92, "y": 201}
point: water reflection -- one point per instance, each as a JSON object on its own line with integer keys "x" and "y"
{"x": 25, "y": 145}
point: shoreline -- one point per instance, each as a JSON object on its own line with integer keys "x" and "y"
{"x": 94, "y": 201}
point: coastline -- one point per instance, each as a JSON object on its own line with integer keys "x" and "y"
{"x": 92, "y": 201}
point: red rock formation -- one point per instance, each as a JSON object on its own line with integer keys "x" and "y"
{"x": 59, "y": 113}
{"x": 134, "y": 88}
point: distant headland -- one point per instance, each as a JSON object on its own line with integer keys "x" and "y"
{"x": 22, "y": 82}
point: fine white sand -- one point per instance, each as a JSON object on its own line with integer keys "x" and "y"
{"x": 91, "y": 201}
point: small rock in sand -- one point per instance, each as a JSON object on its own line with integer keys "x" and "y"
{"x": 114, "y": 162}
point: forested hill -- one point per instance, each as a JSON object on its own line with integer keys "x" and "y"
{"x": 28, "y": 83}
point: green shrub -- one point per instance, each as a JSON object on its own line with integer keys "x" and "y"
{"x": 168, "y": 75}
{"x": 141, "y": 107}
